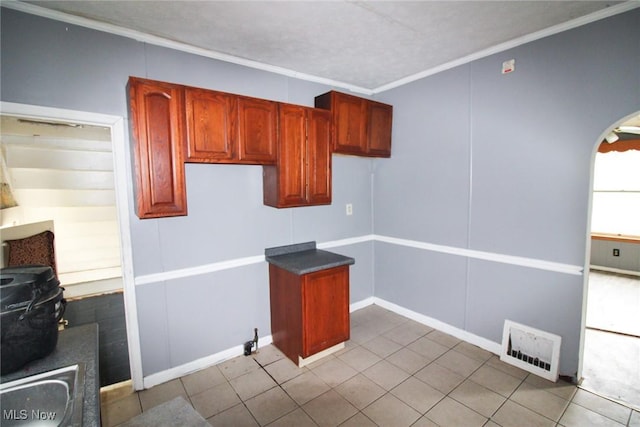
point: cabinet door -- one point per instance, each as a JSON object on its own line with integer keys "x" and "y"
{"x": 257, "y": 121}
{"x": 157, "y": 116}
{"x": 379, "y": 132}
{"x": 319, "y": 157}
{"x": 302, "y": 176}
{"x": 349, "y": 115}
{"x": 325, "y": 309}
{"x": 292, "y": 158}
{"x": 211, "y": 125}
{"x": 360, "y": 126}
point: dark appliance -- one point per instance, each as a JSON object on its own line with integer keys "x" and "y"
{"x": 31, "y": 305}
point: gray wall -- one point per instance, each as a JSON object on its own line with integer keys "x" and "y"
{"x": 501, "y": 164}
{"x": 54, "y": 64}
{"x": 480, "y": 161}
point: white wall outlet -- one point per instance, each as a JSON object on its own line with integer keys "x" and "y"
{"x": 349, "y": 209}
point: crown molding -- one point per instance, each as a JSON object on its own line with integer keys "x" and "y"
{"x": 565, "y": 26}
{"x": 163, "y": 42}
{"x": 170, "y": 44}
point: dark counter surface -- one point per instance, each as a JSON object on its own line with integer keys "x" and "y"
{"x": 76, "y": 344}
{"x": 304, "y": 258}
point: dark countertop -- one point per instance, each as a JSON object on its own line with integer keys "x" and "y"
{"x": 304, "y": 258}
{"x": 76, "y": 344}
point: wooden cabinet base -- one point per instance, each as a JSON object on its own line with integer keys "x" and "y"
{"x": 302, "y": 362}
{"x": 309, "y": 313}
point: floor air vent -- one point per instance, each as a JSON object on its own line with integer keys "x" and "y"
{"x": 531, "y": 349}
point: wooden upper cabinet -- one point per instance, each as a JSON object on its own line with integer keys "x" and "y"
{"x": 157, "y": 120}
{"x": 291, "y": 184}
{"x": 319, "y": 157}
{"x": 302, "y": 174}
{"x": 350, "y": 123}
{"x": 227, "y": 128}
{"x": 258, "y": 127}
{"x": 360, "y": 126}
{"x": 379, "y": 131}
{"x": 172, "y": 124}
{"x": 211, "y": 125}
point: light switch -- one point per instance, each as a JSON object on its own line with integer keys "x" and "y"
{"x": 349, "y": 209}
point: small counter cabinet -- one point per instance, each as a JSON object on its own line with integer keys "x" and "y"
{"x": 309, "y": 298}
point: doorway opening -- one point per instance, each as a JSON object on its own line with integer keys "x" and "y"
{"x": 610, "y": 363}
{"x": 85, "y": 271}
{"x": 58, "y": 176}
{"x": 57, "y": 180}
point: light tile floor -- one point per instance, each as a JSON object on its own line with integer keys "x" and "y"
{"x": 393, "y": 372}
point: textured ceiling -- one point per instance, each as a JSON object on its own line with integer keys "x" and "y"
{"x": 365, "y": 45}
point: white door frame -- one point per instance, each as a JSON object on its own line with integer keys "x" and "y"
{"x": 122, "y": 191}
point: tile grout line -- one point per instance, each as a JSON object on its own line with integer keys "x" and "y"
{"x": 456, "y": 347}
{"x": 279, "y": 385}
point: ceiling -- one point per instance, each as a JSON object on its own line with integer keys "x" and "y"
{"x": 365, "y": 46}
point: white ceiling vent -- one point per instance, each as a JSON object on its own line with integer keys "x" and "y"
{"x": 531, "y": 349}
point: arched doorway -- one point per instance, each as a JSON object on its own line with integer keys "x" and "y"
{"x": 610, "y": 362}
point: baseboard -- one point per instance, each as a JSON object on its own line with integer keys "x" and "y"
{"x": 476, "y": 340}
{"x": 81, "y": 290}
{"x": 361, "y": 304}
{"x": 205, "y": 362}
{"x": 198, "y": 364}
{"x": 214, "y": 359}
{"x": 614, "y": 270}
